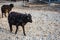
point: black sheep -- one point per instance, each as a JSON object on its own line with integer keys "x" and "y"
{"x": 18, "y": 19}
{"x": 6, "y": 9}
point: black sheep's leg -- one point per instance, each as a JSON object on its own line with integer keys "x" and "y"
{"x": 16, "y": 29}
{"x": 10, "y": 27}
{"x": 23, "y": 30}
{"x": 5, "y": 14}
{"x": 2, "y": 15}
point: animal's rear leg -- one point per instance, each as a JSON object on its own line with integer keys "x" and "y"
{"x": 10, "y": 27}
{"x": 5, "y": 14}
{"x": 2, "y": 15}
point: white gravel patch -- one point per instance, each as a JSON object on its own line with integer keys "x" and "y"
{"x": 45, "y": 26}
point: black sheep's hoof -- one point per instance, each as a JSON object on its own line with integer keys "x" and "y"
{"x": 24, "y": 34}
{"x": 15, "y": 33}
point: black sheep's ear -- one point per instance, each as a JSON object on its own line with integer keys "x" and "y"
{"x": 12, "y": 5}
{"x": 29, "y": 14}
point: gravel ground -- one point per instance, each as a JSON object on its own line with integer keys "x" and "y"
{"x": 45, "y": 26}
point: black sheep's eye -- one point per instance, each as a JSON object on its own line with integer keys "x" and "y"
{"x": 27, "y": 17}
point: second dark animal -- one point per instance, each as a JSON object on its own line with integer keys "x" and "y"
{"x": 19, "y": 19}
{"x": 6, "y": 9}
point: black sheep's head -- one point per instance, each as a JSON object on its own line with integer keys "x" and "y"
{"x": 29, "y": 18}
{"x": 12, "y": 5}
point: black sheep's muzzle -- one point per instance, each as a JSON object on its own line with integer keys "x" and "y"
{"x": 30, "y": 21}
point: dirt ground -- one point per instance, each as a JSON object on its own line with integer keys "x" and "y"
{"x": 45, "y": 25}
